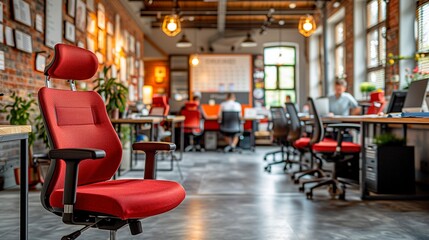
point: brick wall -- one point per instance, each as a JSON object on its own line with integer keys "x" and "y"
{"x": 392, "y": 42}
{"x": 20, "y": 75}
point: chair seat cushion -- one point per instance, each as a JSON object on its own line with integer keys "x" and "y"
{"x": 330, "y": 147}
{"x": 304, "y": 142}
{"x": 125, "y": 199}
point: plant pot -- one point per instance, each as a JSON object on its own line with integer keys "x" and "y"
{"x": 114, "y": 114}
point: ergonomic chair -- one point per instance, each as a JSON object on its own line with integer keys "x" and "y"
{"x": 377, "y": 102}
{"x": 193, "y": 125}
{"x": 332, "y": 151}
{"x": 280, "y": 130}
{"x": 159, "y": 106}
{"x": 86, "y": 152}
{"x": 231, "y": 125}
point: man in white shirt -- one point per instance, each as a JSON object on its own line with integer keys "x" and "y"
{"x": 230, "y": 105}
{"x": 343, "y": 103}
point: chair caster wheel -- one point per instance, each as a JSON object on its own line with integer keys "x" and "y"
{"x": 301, "y": 189}
{"x": 268, "y": 169}
{"x": 292, "y": 177}
{"x": 309, "y": 195}
{"x": 296, "y": 181}
{"x": 265, "y": 159}
{"x": 342, "y": 197}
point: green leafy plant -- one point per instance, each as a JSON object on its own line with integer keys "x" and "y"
{"x": 388, "y": 139}
{"x": 367, "y": 87}
{"x": 113, "y": 92}
{"x": 19, "y": 112}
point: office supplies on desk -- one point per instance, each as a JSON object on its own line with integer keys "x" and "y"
{"x": 416, "y": 114}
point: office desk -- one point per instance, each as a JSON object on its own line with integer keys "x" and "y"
{"x": 15, "y": 133}
{"x": 211, "y": 124}
{"x": 366, "y": 122}
{"x": 153, "y": 121}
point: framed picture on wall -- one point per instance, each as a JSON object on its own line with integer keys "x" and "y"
{"x": 53, "y": 22}
{"x": 69, "y": 32}
{"x": 101, "y": 18}
{"x": 90, "y": 5}
{"x": 80, "y": 19}
{"x": 109, "y": 28}
{"x": 1, "y": 12}
{"x": 40, "y": 62}
{"x": 1, "y": 33}
{"x": 8, "y": 32}
{"x": 101, "y": 40}
{"x": 90, "y": 44}
{"x": 109, "y": 48}
{"x": 91, "y": 23}
{"x": 80, "y": 44}
{"x": 39, "y": 23}
{"x": 71, "y": 8}
{"x": 24, "y": 42}
{"x": 21, "y": 12}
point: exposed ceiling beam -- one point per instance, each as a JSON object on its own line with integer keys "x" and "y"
{"x": 229, "y": 25}
{"x": 221, "y": 13}
{"x": 213, "y": 12}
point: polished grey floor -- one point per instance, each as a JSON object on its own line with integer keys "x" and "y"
{"x": 229, "y": 196}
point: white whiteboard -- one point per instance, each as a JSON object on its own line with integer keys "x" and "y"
{"x": 222, "y": 73}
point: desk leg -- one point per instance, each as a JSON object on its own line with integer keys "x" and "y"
{"x": 182, "y": 139}
{"x": 24, "y": 189}
{"x": 363, "y": 188}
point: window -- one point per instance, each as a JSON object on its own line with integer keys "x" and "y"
{"x": 375, "y": 41}
{"x": 423, "y": 34}
{"x": 340, "y": 60}
{"x": 280, "y": 69}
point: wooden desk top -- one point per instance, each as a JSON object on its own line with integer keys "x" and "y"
{"x": 212, "y": 117}
{"x": 148, "y": 119}
{"x": 14, "y": 129}
{"x": 367, "y": 119}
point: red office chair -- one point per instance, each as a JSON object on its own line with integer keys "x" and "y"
{"x": 377, "y": 102}
{"x": 86, "y": 152}
{"x": 159, "y": 106}
{"x": 337, "y": 152}
{"x": 193, "y": 125}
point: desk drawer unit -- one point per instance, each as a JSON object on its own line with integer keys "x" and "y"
{"x": 390, "y": 169}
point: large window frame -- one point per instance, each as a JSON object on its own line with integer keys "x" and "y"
{"x": 340, "y": 49}
{"x": 422, "y": 34}
{"x": 278, "y": 89}
{"x": 376, "y": 26}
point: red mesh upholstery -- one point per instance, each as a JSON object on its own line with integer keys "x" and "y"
{"x": 330, "y": 147}
{"x": 159, "y": 106}
{"x": 377, "y": 101}
{"x": 126, "y": 199}
{"x": 79, "y": 120}
{"x": 71, "y": 62}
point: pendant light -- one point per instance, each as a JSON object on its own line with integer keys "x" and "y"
{"x": 307, "y": 25}
{"x": 171, "y": 24}
{"x": 183, "y": 42}
{"x": 249, "y": 42}
{"x": 194, "y": 59}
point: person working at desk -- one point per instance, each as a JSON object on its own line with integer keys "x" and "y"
{"x": 230, "y": 105}
{"x": 342, "y": 103}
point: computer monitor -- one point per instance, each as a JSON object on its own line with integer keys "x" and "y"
{"x": 322, "y": 106}
{"x": 415, "y": 100}
{"x": 396, "y": 102}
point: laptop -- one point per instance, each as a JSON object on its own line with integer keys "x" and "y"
{"x": 416, "y": 97}
{"x": 322, "y": 106}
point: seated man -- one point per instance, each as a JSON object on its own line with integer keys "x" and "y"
{"x": 342, "y": 103}
{"x": 230, "y": 105}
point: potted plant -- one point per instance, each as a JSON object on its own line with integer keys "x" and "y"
{"x": 113, "y": 92}
{"x": 390, "y": 165}
{"x": 366, "y": 88}
{"x": 20, "y": 112}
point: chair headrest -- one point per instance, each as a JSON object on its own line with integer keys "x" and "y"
{"x": 72, "y": 63}
{"x": 159, "y": 100}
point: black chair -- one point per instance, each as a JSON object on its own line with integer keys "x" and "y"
{"x": 231, "y": 125}
{"x": 280, "y": 129}
{"x": 295, "y": 133}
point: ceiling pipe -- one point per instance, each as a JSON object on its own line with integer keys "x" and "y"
{"x": 221, "y": 15}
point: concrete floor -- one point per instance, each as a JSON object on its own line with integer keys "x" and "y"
{"x": 229, "y": 196}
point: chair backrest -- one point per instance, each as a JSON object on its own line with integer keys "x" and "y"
{"x": 193, "y": 118}
{"x": 295, "y": 126}
{"x": 377, "y": 102}
{"x": 230, "y": 122}
{"x": 76, "y": 119}
{"x": 280, "y": 123}
{"x": 318, "y": 130}
{"x": 160, "y": 106}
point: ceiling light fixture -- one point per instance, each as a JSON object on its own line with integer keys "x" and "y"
{"x": 183, "y": 42}
{"x": 307, "y": 25}
{"x": 248, "y": 42}
{"x": 171, "y": 25}
{"x": 292, "y": 5}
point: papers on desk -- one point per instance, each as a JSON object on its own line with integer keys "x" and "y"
{"x": 415, "y": 114}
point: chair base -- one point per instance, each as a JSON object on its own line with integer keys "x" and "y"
{"x": 336, "y": 187}
{"x": 194, "y": 148}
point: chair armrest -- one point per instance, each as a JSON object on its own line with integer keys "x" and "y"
{"x": 76, "y": 153}
{"x": 343, "y": 126}
{"x": 151, "y": 148}
{"x": 72, "y": 158}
